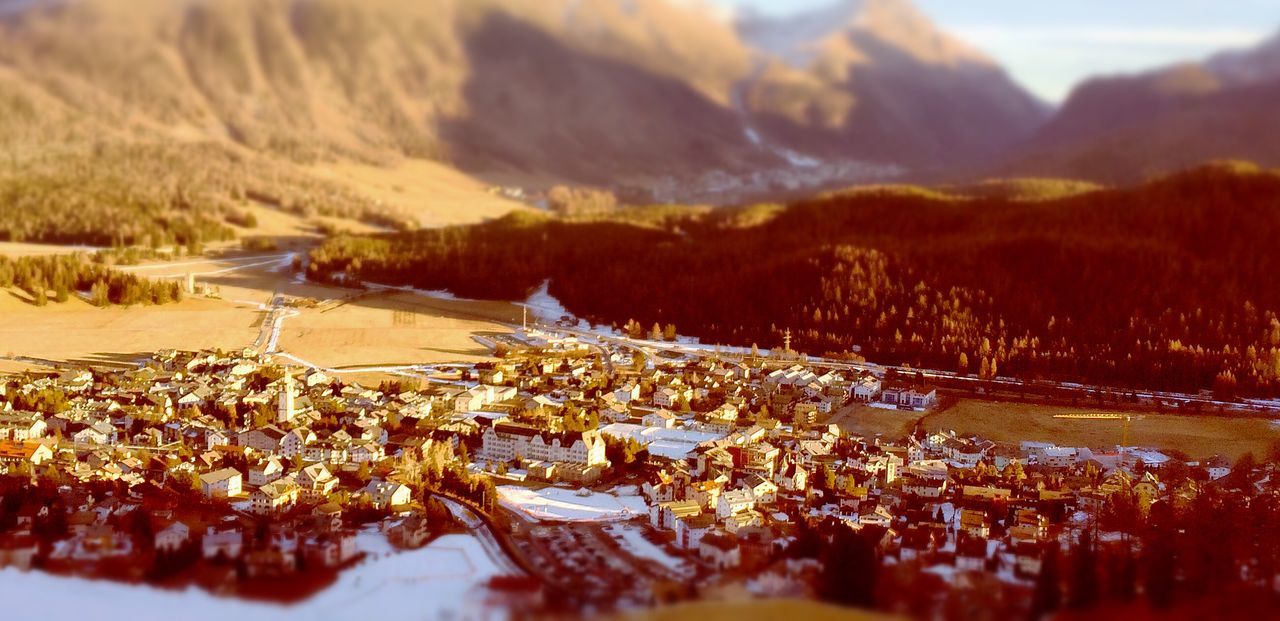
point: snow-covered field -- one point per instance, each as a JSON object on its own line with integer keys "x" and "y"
{"x": 443, "y": 580}
{"x": 662, "y": 442}
{"x": 558, "y": 504}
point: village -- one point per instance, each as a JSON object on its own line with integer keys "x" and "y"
{"x": 598, "y": 476}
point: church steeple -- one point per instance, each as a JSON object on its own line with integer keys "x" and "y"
{"x": 284, "y": 404}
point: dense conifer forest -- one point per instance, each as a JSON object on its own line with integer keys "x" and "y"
{"x": 1170, "y": 285}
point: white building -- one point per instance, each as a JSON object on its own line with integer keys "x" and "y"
{"x": 295, "y": 441}
{"x": 719, "y": 550}
{"x": 387, "y": 494}
{"x": 504, "y": 442}
{"x": 97, "y": 433}
{"x": 274, "y": 497}
{"x": 222, "y": 483}
{"x": 669, "y": 396}
{"x": 22, "y": 427}
{"x": 172, "y": 537}
{"x": 1056, "y": 456}
{"x": 266, "y": 472}
{"x": 733, "y": 502}
{"x": 867, "y": 389}
{"x": 660, "y": 418}
{"x": 229, "y": 543}
{"x": 316, "y": 481}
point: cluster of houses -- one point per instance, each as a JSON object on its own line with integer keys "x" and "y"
{"x": 250, "y": 437}
{"x": 736, "y": 454}
{"x": 949, "y": 503}
{"x": 739, "y": 453}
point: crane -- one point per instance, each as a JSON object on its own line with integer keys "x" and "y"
{"x": 1124, "y": 418}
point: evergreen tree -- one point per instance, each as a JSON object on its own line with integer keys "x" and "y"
{"x": 1048, "y": 592}
{"x": 1084, "y": 574}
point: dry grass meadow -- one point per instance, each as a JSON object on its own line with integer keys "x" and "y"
{"x": 1197, "y": 436}
{"x": 435, "y": 194}
{"x": 868, "y": 421}
{"x": 78, "y": 331}
{"x": 1011, "y": 423}
{"x": 394, "y": 328}
{"x": 346, "y": 327}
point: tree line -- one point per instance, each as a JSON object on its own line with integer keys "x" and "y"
{"x": 1215, "y": 549}
{"x": 48, "y": 279}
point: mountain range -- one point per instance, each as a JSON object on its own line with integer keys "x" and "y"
{"x": 1125, "y": 128}
{"x": 667, "y": 94}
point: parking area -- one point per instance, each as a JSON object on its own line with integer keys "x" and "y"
{"x": 602, "y": 564}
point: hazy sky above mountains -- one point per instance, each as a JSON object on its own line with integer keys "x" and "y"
{"x": 1050, "y": 45}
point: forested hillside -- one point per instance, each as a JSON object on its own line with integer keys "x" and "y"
{"x": 1168, "y": 285}
{"x": 158, "y": 195}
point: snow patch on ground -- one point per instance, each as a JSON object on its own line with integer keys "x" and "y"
{"x": 373, "y": 543}
{"x": 443, "y": 580}
{"x": 891, "y": 406}
{"x": 558, "y": 504}
{"x": 439, "y": 294}
{"x": 544, "y": 306}
{"x": 661, "y": 442}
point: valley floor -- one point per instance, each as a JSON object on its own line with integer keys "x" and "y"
{"x": 1197, "y": 436}
{"x": 334, "y": 327}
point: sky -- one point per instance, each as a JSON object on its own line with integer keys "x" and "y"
{"x": 1051, "y": 45}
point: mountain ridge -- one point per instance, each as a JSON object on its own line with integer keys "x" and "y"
{"x": 872, "y": 79}
{"x": 1126, "y": 128}
{"x": 600, "y": 92}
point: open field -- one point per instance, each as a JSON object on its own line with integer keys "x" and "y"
{"x": 753, "y": 610}
{"x": 348, "y": 327}
{"x": 274, "y": 222}
{"x": 435, "y": 194}
{"x": 77, "y": 331}
{"x": 13, "y": 367}
{"x": 397, "y": 328}
{"x": 868, "y": 421}
{"x": 1198, "y": 436}
{"x": 394, "y": 328}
